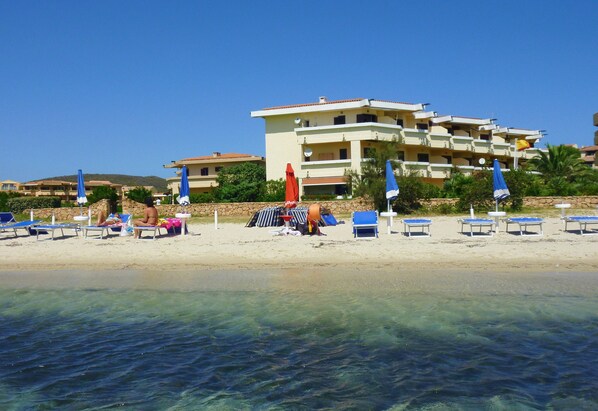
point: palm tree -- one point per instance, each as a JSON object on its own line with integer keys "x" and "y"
{"x": 560, "y": 162}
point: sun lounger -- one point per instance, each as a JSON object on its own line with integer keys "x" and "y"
{"x": 45, "y": 228}
{"x": 124, "y": 218}
{"x": 479, "y": 223}
{"x": 422, "y": 223}
{"x": 365, "y": 224}
{"x": 151, "y": 229}
{"x": 524, "y": 223}
{"x": 9, "y": 223}
{"x": 583, "y": 222}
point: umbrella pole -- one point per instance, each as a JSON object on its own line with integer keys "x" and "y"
{"x": 496, "y": 205}
{"x": 80, "y": 209}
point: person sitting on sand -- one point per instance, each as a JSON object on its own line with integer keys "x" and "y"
{"x": 150, "y": 217}
{"x": 112, "y": 219}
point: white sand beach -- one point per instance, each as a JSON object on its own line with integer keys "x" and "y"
{"x": 234, "y": 246}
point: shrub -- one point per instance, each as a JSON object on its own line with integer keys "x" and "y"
{"x": 4, "y": 197}
{"x": 317, "y": 197}
{"x": 20, "y": 204}
{"x": 139, "y": 194}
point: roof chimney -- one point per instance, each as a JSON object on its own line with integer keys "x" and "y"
{"x": 216, "y": 154}
{"x": 323, "y": 99}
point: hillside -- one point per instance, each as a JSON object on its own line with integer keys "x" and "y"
{"x": 158, "y": 182}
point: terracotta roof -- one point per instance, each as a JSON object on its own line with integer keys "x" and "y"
{"x": 221, "y": 156}
{"x": 589, "y": 148}
{"x": 317, "y": 103}
{"x": 323, "y": 180}
{"x": 48, "y": 182}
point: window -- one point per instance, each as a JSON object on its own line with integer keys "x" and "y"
{"x": 401, "y": 155}
{"x": 339, "y": 120}
{"x": 218, "y": 169}
{"x": 485, "y": 137}
{"x": 204, "y": 171}
{"x": 367, "y": 152}
{"x": 342, "y": 153}
{"x": 422, "y": 126}
{"x": 400, "y": 122}
{"x": 367, "y": 118}
{"x": 423, "y": 157}
{"x": 449, "y": 159}
{"x": 306, "y": 122}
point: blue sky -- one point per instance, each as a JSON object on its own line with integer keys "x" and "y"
{"x": 126, "y": 86}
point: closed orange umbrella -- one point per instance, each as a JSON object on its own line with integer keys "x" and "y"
{"x": 291, "y": 196}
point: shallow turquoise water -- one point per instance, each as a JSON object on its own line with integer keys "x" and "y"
{"x": 298, "y": 340}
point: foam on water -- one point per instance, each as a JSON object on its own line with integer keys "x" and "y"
{"x": 295, "y": 339}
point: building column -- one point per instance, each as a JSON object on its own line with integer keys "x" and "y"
{"x": 356, "y": 155}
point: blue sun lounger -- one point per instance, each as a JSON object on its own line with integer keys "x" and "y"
{"x": 365, "y": 224}
{"x": 9, "y": 223}
{"x": 422, "y": 223}
{"x": 479, "y": 223}
{"x": 583, "y": 222}
{"x": 524, "y": 223}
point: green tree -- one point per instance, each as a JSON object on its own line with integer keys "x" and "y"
{"x": 104, "y": 192}
{"x": 244, "y": 182}
{"x": 562, "y": 169}
{"x": 274, "y": 190}
{"x": 139, "y": 194}
{"x": 371, "y": 182}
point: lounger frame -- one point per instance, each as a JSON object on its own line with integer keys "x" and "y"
{"x": 53, "y": 227}
{"x": 479, "y": 223}
{"x": 524, "y": 223}
{"x": 422, "y": 223}
{"x": 153, "y": 229}
{"x": 583, "y": 222}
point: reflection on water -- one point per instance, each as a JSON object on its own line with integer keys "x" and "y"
{"x": 296, "y": 340}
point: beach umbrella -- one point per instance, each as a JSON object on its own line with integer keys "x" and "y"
{"x": 501, "y": 190}
{"x": 291, "y": 196}
{"x": 183, "y": 197}
{"x": 392, "y": 188}
{"x": 81, "y": 198}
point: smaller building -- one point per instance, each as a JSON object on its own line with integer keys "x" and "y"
{"x": 588, "y": 155}
{"x": 203, "y": 171}
{"x": 9, "y": 185}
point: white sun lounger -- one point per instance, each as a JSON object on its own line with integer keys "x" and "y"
{"x": 151, "y": 229}
{"x": 524, "y": 223}
{"x": 422, "y": 223}
{"x": 583, "y": 222}
{"x": 479, "y": 223}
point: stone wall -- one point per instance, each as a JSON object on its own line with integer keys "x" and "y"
{"x": 243, "y": 209}
{"x": 68, "y": 213}
{"x": 581, "y": 202}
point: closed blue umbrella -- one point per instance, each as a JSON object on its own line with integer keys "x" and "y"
{"x": 81, "y": 198}
{"x": 501, "y": 190}
{"x": 392, "y": 188}
{"x": 183, "y": 197}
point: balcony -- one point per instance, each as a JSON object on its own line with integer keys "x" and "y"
{"x": 324, "y": 168}
{"x": 348, "y": 132}
{"x": 416, "y": 137}
{"x": 462, "y": 143}
{"x": 502, "y": 149}
{"x": 438, "y": 140}
{"x": 438, "y": 170}
{"x": 482, "y": 146}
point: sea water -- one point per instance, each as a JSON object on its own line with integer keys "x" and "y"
{"x": 298, "y": 339}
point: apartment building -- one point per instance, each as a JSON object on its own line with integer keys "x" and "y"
{"x": 324, "y": 139}
{"x": 66, "y": 190}
{"x": 203, "y": 171}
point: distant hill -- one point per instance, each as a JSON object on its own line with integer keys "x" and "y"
{"x": 158, "y": 182}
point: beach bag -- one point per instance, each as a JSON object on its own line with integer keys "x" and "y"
{"x": 302, "y": 228}
{"x": 127, "y": 229}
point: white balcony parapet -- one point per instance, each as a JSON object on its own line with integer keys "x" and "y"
{"x": 466, "y": 138}
{"x": 336, "y": 127}
{"x": 325, "y": 162}
{"x": 424, "y": 114}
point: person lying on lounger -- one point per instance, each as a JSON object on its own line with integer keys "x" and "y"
{"x": 150, "y": 217}
{"x": 104, "y": 221}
